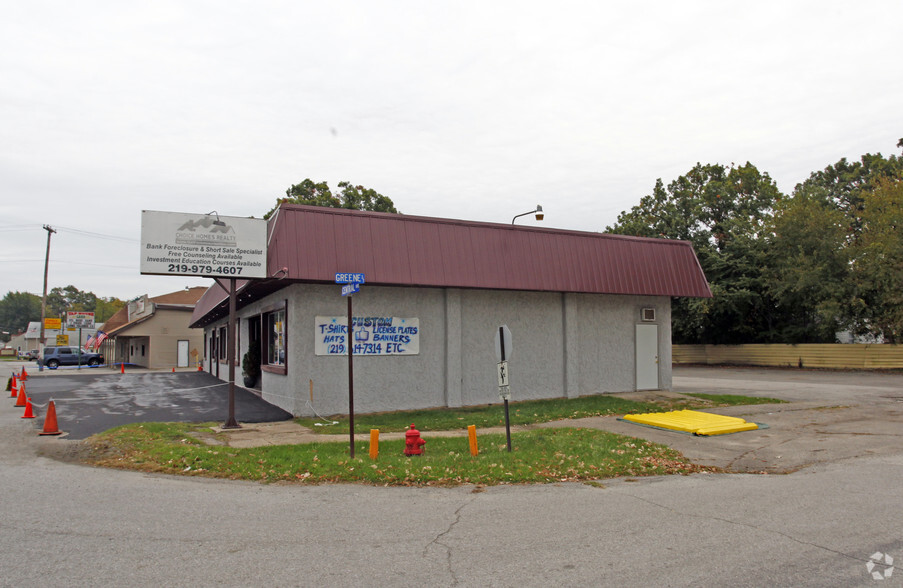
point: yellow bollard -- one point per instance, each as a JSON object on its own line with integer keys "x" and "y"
{"x": 374, "y": 443}
{"x": 472, "y": 437}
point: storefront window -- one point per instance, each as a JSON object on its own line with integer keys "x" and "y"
{"x": 275, "y": 328}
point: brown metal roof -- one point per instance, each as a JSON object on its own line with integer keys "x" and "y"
{"x": 314, "y": 243}
{"x": 186, "y": 299}
{"x": 188, "y": 296}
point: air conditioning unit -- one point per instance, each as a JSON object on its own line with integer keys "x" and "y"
{"x": 648, "y": 315}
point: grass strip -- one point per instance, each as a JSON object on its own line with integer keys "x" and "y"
{"x": 523, "y": 413}
{"x": 735, "y": 399}
{"x": 541, "y": 456}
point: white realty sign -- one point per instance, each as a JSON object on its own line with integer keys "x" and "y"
{"x": 183, "y": 244}
{"x": 373, "y": 335}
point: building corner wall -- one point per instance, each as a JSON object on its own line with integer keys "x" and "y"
{"x": 665, "y": 370}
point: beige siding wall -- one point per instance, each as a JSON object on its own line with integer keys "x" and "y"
{"x": 813, "y": 355}
{"x": 165, "y": 330}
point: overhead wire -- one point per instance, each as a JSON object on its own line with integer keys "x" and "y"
{"x": 98, "y": 235}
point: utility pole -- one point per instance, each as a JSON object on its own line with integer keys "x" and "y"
{"x": 50, "y": 231}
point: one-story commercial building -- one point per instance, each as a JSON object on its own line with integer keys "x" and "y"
{"x": 589, "y": 313}
{"x": 153, "y": 332}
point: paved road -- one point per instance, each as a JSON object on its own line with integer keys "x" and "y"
{"x": 73, "y": 525}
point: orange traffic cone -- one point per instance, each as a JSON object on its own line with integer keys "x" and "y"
{"x": 122, "y": 368}
{"x": 173, "y": 370}
{"x": 14, "y": 388}
{"x": 29, "y": 413}
{"x": 20, "y": 400}
{"x": 50, "y": 424}
{"x": 24, "y": 375}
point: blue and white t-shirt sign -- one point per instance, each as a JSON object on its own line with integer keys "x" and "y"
{"x": 373, "y": 335}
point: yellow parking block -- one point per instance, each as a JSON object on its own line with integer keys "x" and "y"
{"x": 692, "y": 421}
{"x": 725, "y": 429}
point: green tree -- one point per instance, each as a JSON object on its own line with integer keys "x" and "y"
{"x": 360, "y": 198}
{"x": 807, "y": 267}
{"x": 105, "y": 308}
{"x": 725, "y": 214}
{"x": 69, "y": 299}
{"x": 17, "y": 309}
{"x": 319, "y": 194}
{"x": 822, "y": 271}
{"x": 878, "y": 263}
{"x": 845, "y": 183}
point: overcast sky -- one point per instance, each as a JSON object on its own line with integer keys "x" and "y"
{"x": 472, "y": 110}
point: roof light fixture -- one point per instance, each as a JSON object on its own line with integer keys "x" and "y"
{"x": 538, "y": 211}
{"x": 217, "y": 222}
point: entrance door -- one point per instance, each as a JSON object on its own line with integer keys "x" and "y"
{"x": 212, "y": 348}
{"x": 647, "y": 357}
{"x": 182, "y": 356}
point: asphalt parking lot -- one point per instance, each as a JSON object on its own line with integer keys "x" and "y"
{"x": 92, "y": 401}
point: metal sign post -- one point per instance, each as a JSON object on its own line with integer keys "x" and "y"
{"x": 231, "y": 423}
{"x": 207, "y": 245}
{"x": 351, "y": 286}
{"x": 504, "y": 335}
{"x": 349, "y": 342}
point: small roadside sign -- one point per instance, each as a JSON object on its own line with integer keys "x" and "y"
{"x": 503, "y": 335}
{"x": 503, "y": 374}
{"x": 349, "y": 289}
{"x": 53, "y": 323}
{"x": 349, "y": 278}
{"x": 80, "y": 320}
{"x": 505, "y": 393}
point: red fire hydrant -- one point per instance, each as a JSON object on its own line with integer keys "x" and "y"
{"x": 413, "y": 444}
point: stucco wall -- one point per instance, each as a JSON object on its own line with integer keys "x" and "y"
{"x": 563, "y": 345}
{"x": 160, "y": 336}
{"x": 536, "y": 361}
{"x": 606, "y": 335}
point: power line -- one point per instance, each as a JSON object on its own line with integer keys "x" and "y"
{"x": 56, "y": 261}
{"x": 98, "y": 235}
{"x": 13, "y": 228}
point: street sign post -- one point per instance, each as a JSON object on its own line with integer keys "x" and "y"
{"x": 352, "y": 285}
{"x": 503, "y": 348}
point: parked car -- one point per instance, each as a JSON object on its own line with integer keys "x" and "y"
{"x": 54, "y": 356}
{"x": 29, "y": 355}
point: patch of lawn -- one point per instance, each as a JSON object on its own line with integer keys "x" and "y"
{"x": 736, "y": 399}
{"x": 547, "y": 455}
{"x": 492, "y": 415}
{"x": 521, "y": 413}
